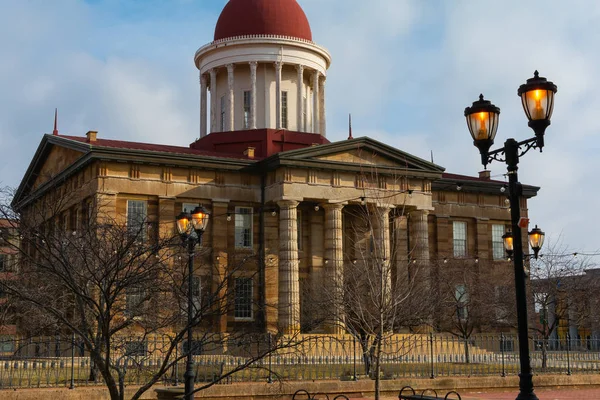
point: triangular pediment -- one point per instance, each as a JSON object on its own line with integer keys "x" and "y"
{"x": 53, "y": 157}
{"x": 358, "y": 153}
{"x": 57, "y": 160}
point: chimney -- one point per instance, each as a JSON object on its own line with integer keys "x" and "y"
{"x": 249, "y": 152}
{"x": 485, "y": 175}
{"x": 91, "y": 136}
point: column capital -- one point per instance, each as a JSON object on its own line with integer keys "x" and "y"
{"x": 278, "y": 64}
{"x": 288, "y": 203}
{"x": 334, "y": 206}
{"x": 230, "y": 67}
{"x": 253, "y": 64}
{"x": 300, "y": 68}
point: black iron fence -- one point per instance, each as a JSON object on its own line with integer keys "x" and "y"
{"x": 63, "y": 361}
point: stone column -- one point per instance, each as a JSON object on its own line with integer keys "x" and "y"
{"x": 253, "y": 65}
{"x": 229, "y": 122}
{"x": 323, "y": 120}
{"x": 203, "y": 90}
{"x": 213, "y": 100}
{"x": 289, "y": 278}
{"x": 278, "y": 66}
{"x": 420, "y": 239}
{"x": 300, "y": 99}
{"x": 380, "y": 219}
{"x": 316, "y": 101}
{"x": 400, "y": 243}
{"x": 334, "y": 270}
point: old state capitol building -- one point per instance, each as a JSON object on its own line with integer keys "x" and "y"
{"x": 276, "y": 187}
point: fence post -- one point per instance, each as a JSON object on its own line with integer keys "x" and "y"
{"x": 502, "y": 348}
{"x": 176, "y": 364}
{"x": 354, "y": 356}
{"x": 431, "y": 353}
{"x": 270, "y": 379}
{"x": 72, "y": 362}
{"x": 568, "y": 356}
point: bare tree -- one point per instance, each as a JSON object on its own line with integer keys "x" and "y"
{"x": 119, "y": 286}
{"x": 376, "y": 292}
{"x": 470, "y": 299}
{"x": 561, "y": 292}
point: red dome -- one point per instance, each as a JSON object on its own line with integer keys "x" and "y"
{"x": 263, "y": 17}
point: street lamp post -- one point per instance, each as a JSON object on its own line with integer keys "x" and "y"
{"x": 191, "y": 227}
{"x": 537, "y": 97}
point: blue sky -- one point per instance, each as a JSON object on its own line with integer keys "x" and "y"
{"x": 405, "y": 69}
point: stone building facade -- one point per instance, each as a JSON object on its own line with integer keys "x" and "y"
{"x": 276, "y": 188}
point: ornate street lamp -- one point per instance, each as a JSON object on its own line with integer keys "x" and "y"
{"x": 537, "y": 97}
{"x": 191, "y": 227}
{"x": 536, "y": 241}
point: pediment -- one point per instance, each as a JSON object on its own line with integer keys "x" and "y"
{"x": 360, "y": 156}
{"x": 57, "y": 160}
{"x": 359, "y": 153}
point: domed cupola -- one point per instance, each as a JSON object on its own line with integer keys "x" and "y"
{"x": 262, "y": 70}
{"x": 263, "y": 17}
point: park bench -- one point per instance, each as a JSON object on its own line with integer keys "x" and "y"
{"x": 408, "y": 393}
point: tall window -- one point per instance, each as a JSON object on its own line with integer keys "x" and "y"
{"x": 135, "y": 296}
{"x": 243, "y": 227}
{"x": 462, "y": 299}
{"x": 222, "y": 113}
{"x": 497, "y": 242}
{"x": 3, "y": 262}
{"x": 247, "y": 101}
{"x": 243, "y": 298}
{"x": 459, "y": 235}
{"x": 284, "y": 110}
{"x": 137, "y": 213}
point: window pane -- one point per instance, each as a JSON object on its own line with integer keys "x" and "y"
{"x": 284, "y": 110}
{"x": 459, "y": 234}
{"x": 136, "y": 218}
{"x": 247, "y": 101}
{"x": 222, "y": 113}
{"x": 243, "y": 298}
{"x": 497, "y": 242}
{"x": 243, "y": 227}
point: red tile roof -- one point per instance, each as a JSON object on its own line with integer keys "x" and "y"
{"x": 162, "y": 148}
{"x": 458, "y": 177}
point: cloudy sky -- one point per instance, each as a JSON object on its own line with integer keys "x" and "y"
{"x": 405, "y": 69}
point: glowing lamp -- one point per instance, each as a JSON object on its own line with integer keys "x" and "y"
{"x": 200, "y": 218}
{"x": 482, "y": 121}
{"x": 537, "y": 97}
{"x": 184, "y": 226}
{"x": 536, "y": 240}
{"x": 507, "y": 238}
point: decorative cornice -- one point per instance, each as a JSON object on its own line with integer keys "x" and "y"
{"x": 270, "y": 39}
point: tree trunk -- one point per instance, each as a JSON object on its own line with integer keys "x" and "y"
{"x": 467, "y": 356}
{"x": 378, "y": 368}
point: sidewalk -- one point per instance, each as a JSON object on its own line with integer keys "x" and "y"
{"x": 542, "y": 394}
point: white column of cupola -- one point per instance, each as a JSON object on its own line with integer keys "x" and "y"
{"x": 316, "y": 101}
{"x": 213, "y": 100}
{"x": 300, "y": 99}
{"x": 230, "y": 113}
{"x": 226, "y": 96}
{"x": 278, "y": 69}
{"x": 253, "y": 67}
{"x": 203, "y": 108}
